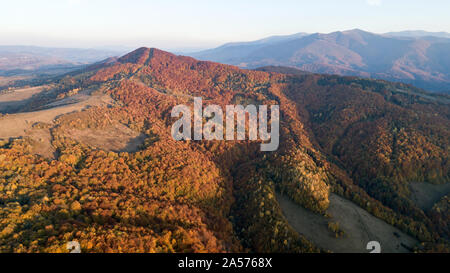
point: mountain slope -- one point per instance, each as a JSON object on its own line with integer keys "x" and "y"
{"x": 420, "y": 61}
{"x": 232, "y": 53}
{"x": 365, "y": 140}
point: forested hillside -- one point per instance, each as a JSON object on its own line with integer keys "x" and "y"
{"x": 365, "y": 140}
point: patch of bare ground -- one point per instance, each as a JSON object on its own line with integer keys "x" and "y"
{"x": 116, "y": 138}
{"x": 359, "y": 227}
{"x": 16, "y": 125}
{"x": 41, "y": 143}
{"x": 13, "y": 99}
{"x": 425, "y": 195}
{"x": 21, "y": 124}
{"x": 7, "y": 80}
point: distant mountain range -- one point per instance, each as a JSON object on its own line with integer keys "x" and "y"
{"x": 415, "y": 57}
{"x": 33, "y": 57}
{"x": 418, "y": 33}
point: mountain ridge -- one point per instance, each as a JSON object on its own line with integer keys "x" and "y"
{"x": 418, "y": 33}
{"x": 356, "y": 52}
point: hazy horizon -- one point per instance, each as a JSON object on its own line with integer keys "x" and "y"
{"x": 177, "y": 25}
{"x": 124, "y": 47}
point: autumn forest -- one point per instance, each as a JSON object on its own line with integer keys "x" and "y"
{"x": 90, "y": 158}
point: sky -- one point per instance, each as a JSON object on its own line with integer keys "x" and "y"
{"x": 197, "y": 24}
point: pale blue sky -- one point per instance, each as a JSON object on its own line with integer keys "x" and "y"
{"x": 172, "y": 24}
